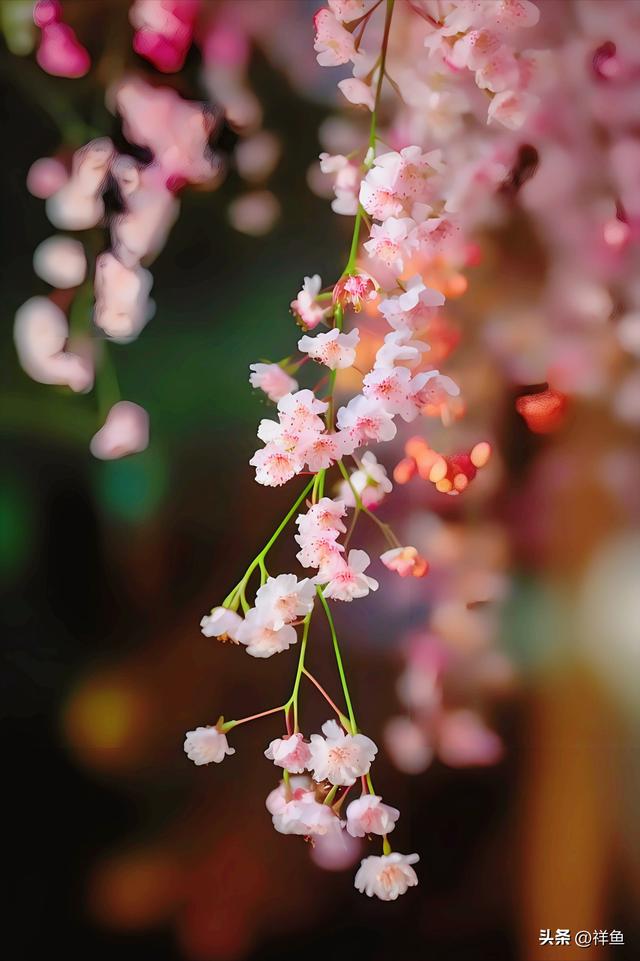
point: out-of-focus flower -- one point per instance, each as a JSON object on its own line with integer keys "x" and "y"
{"x": 41, "y": 333}
{"x": 370, "y": 482}
{"x": 61, "y": 261}
{"x": 464, "y": 740}
{"x": 543, "y": 412}
{"x": 335, "y": 851}
{"x": 78, "y": 203}
{"x": 408, "y": 745}
{"x": 122, "y": 297}
{"x": 257, "y": 156}
{"x": 405, "y": 561}
{"x": 46, "y": 176}
{"x": 164, "y": 30}
{"x": 388, "y": 876}
{"x": 254, "y": 213}
{"x": 273, "y": 380}
{"x": 125, "y": 431}
{"x": 60, "y": 52}
{"x": 207, "y": 745}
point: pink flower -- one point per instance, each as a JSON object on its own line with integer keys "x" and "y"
{"x": 348, "y": 580}
{"x": 284, "y": 598}
{"x": 393, "y": 389}
{"x": 78, "y": 203}
{"x": 355, "y": 289}
{"x": 125, "y": 431}
{"x": 338, "y": 757}
{"x": 369, "y": 815}
{"x": 309, "y": 312}
{"x": 290, "y": 752}
{"x": 388, "y": 241}
{"x": 334, "y": 349}
{"x": 333, "y": 44}
{"x": 325, "y": 515}
{"x": 207, "y": 745}
{"x": 60, "y": 52}
{"x": 321, "y": 551}
{"x": 221, "y": 622}
{"x": 274, "y": 466}
{"x": 164, "y": 30}
{"x": 357, "y": 92}
{"x": 432, "y": 391}
{"x": 320, "y": 451}
{"x": 405, "y": 561}
{"x": 378, "y": 195}
{"x": 262, "y": 640}
{"x": 387, "y": 876}
{"x": 348, "y": 10}
{"x": 300, "y": 410}
{"x": 46, "y": 176}
{"x": 366, "y": 420}
{"x": 273, "y": 380}
{"x": 408, "y": 745}
{"x": 511, "y": 108}
{"x": 464, "y": 740}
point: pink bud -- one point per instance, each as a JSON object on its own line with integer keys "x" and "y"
{"x": 60, "y": 52}
{"x": 40, "y": 333}
{"x": 125, "y": 431}
{"x": 46, "y": 12}
{"x": 45, "y": 177}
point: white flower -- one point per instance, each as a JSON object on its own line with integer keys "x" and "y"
{"x": 206, "y": 745}
{"x": 399, "y": 347}
{"x": 334, "y": 349}
{"x": 300, "y": 410}
{"x": 284, "y": 598}
{"x": 393, "y": 389}
{"x": 262, "y": 640}
{"x": 388, "y": 241}
{"x": 291, "y": 753}
{"x": 273, "y": 380}
{"x": 387, "y": 876}
{"x": 369, "y": 815}
{"x": 348, "y": 580}
{"x": 307, "y": 817}
{"x": 370, "y": 482}
{"x": 221, "y": 622}
{"x": 339, "y": 757}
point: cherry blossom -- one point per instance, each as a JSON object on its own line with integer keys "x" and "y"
{"x": 338, "y": 757}
{"x": 388, "y": 242}
{"x": 405, "y": 561}
{"x": 347, "y": 579}
{"x": 386, "y": 877}
{"x": 365, "y": 419}
{"x": 284, "y": 598}
{"x": 290, "y": 752}
{"x": 333, "y": 44}
{"x": 305, "y": 306}
{"x": 262, "y": 640}
{"x": 369, "y": 815}
{"x": 207, "y": 745}
{"x": 221, "y": 622}
{"x": 273, "y": 380}
{"x": 370, "y": 482}
{"x": 334, "y": 349}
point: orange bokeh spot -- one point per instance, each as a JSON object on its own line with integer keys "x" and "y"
{"x": 543, "y": 412}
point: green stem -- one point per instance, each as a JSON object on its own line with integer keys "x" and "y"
{"x": 107, "y": 387}
{"x": 265, "y": 550}
{"x": 296, "y": 684}
{"x": 336, "y": 649}
{"x": 386, "y": 529}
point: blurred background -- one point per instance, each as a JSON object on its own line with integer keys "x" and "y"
{"x": 122, "y": 848}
